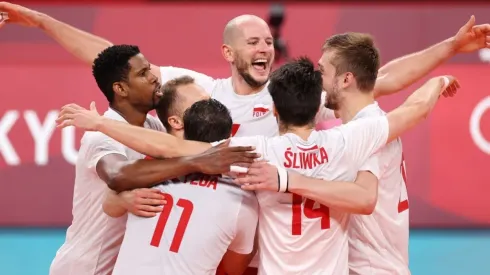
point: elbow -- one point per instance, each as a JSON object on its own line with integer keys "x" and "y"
{"x": 368, "y": 205}
{"x": 107, "y": 208}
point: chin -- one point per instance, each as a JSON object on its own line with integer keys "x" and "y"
{"x": 259, "y": 78}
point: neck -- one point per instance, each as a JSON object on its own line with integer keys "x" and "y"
{"x": 302, "y": 131}
{"x": 131, "y": 114}
{"x": 240, "y": 86}
{"x": 353, "y": 102}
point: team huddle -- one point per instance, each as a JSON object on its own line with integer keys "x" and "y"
{"x": 233, "y": 177}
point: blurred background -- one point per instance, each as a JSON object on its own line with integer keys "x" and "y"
{"x": 446, "y": 157}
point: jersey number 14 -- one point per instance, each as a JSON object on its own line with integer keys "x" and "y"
{"x": 187, "y": 207}
{"x": 321, "y": 212}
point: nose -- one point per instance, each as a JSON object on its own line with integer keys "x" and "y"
{"x": 152, "y": 78}
{"x": 264, "y": 47}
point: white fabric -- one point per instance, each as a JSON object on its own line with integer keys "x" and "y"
{"x": 93, "y": 239}
{"x": 252, "y": 114}
{"x": 379, "y": 242}
{"x": 220, "y": 216}
{"x": 293, "y": 236}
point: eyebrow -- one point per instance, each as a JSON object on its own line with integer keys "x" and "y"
{"x": 144, "y": 68}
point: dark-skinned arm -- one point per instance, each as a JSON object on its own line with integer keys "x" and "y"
{"x": 121, "y": 174}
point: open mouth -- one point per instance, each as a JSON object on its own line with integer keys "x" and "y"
{"x": 158, "y": 90}
{"x": 260, "y": 64}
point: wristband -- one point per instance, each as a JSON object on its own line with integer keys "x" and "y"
{"x": 238, "y": 169}
{"x": 282, "y": 180}
{"x": 446, "y": 82}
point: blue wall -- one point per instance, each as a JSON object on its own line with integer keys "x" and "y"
{"x": 432, "y": 252}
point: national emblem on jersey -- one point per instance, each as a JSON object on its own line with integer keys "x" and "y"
{"x": 260, "y": 110}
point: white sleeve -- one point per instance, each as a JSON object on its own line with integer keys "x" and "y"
{"x": 372, "y": 165}
{"x": 365, "y": 136}
{"x": 246, "y": 225}
{"x": 259, "y": 142}
{"x": 324, "y": 113}
{"x": 100, "y": 145}
{"x": 169, "y": 73}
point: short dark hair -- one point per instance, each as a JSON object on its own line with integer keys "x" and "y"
{"x": 112, "y": 65}
{"x": 296, "y": 89}
{"x": 166, "y": 105}
{"x": 207, "y": 121}
{"x": 355, "y": 53}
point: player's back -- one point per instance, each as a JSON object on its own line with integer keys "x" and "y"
{"x": 196, "y": 227}
{"x": 378, "y": 242}
{"x": 297, "y": 235}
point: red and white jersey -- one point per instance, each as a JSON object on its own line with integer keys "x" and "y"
{"x": 252, "y": 114}
{"x": 379, "y": 242}
{"x": 297, "y": 235}
{"x": 93, "y": 238}
{"x": 204, "y": 217}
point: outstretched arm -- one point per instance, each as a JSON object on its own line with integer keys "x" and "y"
{"x": 357, "y": 197}
{"x": 146, "y": 141}
{"x": 402, "y": 72}
{"x": 81, "y": 44}
{"x": 419, "y": 104}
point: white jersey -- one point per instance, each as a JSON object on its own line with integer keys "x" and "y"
{"x": 251, "y": 114}
{"x": 93, "y": 238}
{"x": 379, "y": 242}
{"x": 297, "y": 235}
{"x": 204, "y": 217}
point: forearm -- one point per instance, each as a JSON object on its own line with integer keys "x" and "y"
{"x": 81, "y": 44}
{"x": 147, "y": 173}
{"x": 149, "y": 142}
{"x": 113, "y": 205}
{"x": 345, "y": 196}
{"x": 415, "y": 108}
{"x": 402, "y": 72}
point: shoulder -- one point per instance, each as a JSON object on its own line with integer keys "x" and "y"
{"x": 154, "y": 123}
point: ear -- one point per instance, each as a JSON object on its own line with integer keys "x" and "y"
{"x": 175, "y": 122}
{"x": 274, "y": 111}
{"x": 348, "y": 80}
{"x": 120, "y": 88}
{"x": 227, "y": 52}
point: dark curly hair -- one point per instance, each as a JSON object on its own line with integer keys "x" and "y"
{"x": 112, "y": 65}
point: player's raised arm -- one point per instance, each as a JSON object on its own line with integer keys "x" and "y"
{"x": 81, "y": 44}
{"x": 419, "y": 104}
{"x": 146, "y": 141}
{"x": 400, "y": 73}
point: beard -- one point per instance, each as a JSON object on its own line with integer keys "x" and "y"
{"x": 333, "y": 98}
{"x": 242, "y": 67}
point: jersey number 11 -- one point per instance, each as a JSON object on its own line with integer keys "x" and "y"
{"x": 181, "y": 226}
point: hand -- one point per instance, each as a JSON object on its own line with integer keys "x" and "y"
{"x": 143, "y": 202}
{"x": 260, "y": 176}
{"x": 74, "y": 115}
{"x": 217, "y": 160}
{"x": 451, "y": 88}
{"x": 472, "y": 37}
{"x": 20, "y": 15}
